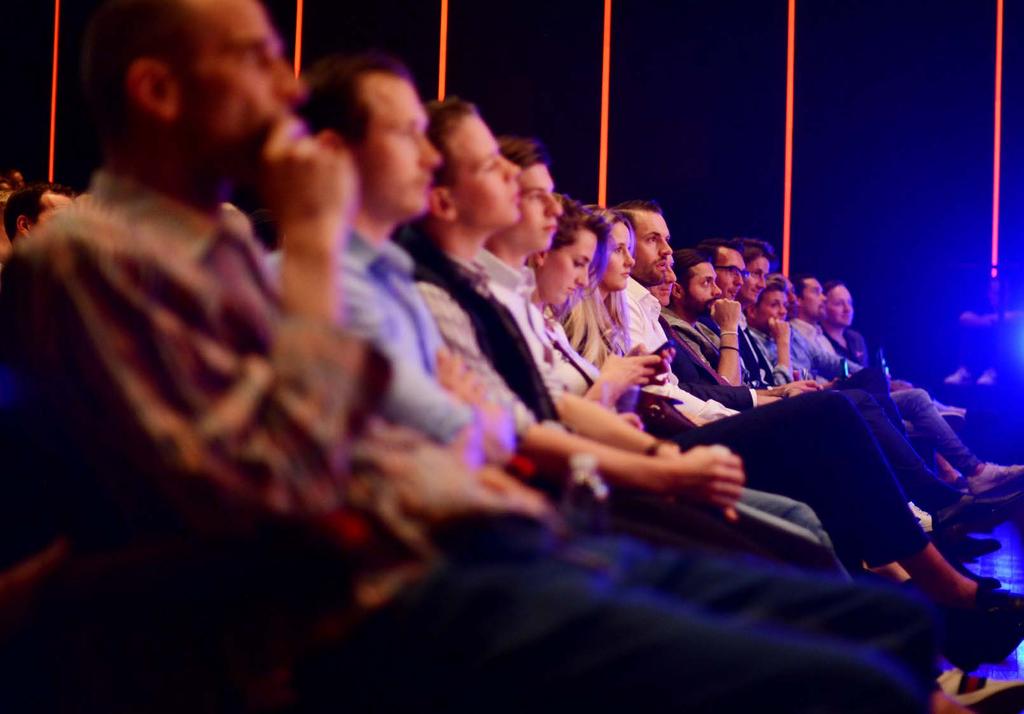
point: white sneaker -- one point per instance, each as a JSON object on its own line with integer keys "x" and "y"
{"x": 960, "y": 376}
{"x": 988, "y": 377}
{"x": 993, "y": 477}
{"x": 989, "y": 695}
{"x": 925, "y": 519}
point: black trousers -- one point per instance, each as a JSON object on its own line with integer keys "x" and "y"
{"x": 611, "y": 625}
{"x": 920, "y": 484}
{"x": 818, "y": 449}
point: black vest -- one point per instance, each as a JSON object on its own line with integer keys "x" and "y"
{"x": 496, "y": 330}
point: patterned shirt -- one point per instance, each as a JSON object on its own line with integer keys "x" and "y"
{"x": 155, "y": 341}
{"x": 460, "y": 338}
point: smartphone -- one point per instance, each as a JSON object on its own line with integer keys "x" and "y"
{"x": 670, "y": 344}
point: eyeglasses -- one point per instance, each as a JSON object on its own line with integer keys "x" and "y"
{"x": 742, "y": 273}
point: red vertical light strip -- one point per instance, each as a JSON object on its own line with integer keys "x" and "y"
{"x": 996, "y": 151}
{"x": 606, "y": 73}
{"x": 53, "y": 86}
{"x": 442, "y": 62}
{"x": 787, "y": 195}
{"x": 298, "y": 38}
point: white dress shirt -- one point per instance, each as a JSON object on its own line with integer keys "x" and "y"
{"x": 644, "y": 329}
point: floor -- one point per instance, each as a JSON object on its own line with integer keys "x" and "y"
{"x": 1006, "y": 564}
{"x": 995, "y": 431}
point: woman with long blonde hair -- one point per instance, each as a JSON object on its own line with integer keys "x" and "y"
{"x": 598, "y": 324}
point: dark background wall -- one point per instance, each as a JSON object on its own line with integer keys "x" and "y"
{"x": 893, "y": 133}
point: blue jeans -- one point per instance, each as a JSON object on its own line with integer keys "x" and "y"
{"x": 917, "y": 407}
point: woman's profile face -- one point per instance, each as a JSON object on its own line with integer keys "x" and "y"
{"x": 619, "y": 260}
{"x": 564, "y": 271}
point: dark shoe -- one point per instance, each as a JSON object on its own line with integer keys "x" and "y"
{"x": 1000, "y": 601}
{"x": 979, "y": 635}
{"x": 984, "y": 582}
{"x": 972, "y": 513}
{"x": 965, "y": 548}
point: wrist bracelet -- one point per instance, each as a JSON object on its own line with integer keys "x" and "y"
{"x": 728, "y": 347}
{"x": 729, "y": 332}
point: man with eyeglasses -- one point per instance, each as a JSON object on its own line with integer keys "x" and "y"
{"x": 739, "y": 283}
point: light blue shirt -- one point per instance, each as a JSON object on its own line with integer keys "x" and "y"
{"x": 383, "y": 306}
{"x": 813, "y": 354}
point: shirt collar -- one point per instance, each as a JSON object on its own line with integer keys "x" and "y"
{"x": 808, "y": 326}
{"x": 366, "y": 256}
{"x": 520, "y": 280}
{"x": 674, "y": 319}
{"x": 643, "y": 297}
{"x": 759, "y": 335}
{"x": 190, "y": 230}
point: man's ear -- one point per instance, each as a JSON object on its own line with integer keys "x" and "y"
{"x": 440, "y": 204}
{"x": 538, "y": 258}
{"x": 150, "y": 85}
{"x": 22, "y": 225}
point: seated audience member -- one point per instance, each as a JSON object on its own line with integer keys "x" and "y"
{"x": 31, "y": 205}
{"x": 382, "y": 304}
{"x": 985, "y": 336}
{"x": 5, "y": 241}
{"x": 486, "y": 187}
{"x": 814, "y": 349}
{"x": 11, "y": 180}
{"x": 229, "y": 411}
{"x": 836, "y": 321}
{"x": 645, "y": 316}
{"x": 767, "y": 325}
{"x": 721, "y": 348}
{"x": 949, "y": 505}
{"x": 470, "y": 145}
{"x": 915, "y": 405}
{"x": 692, "y": 371}
{"x": 740, "y": 284}
{"x": 564, "y": 268}
{"x": 757, "y": 257}
{"x": 737, "y": 431}
{"x": 467, "y": 207}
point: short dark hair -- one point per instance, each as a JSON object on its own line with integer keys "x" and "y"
{"x": 335, "y": 101}
{"x": 754, "y": 248}
{"x": 771, "y": 286}
{"x": 832, "y": 284}
{"x": 120, "y": 32}
{"x": 11, "y": 180}
{"x": 711, "y": 246}
{"x": 686, "y": 259}
{"x": 444, "y": 117}
{"x": 524, "y": 151}
{"x": 26, "y": 201}
{"x": 800, "y": 283}
{"x": 629, "y": 209}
